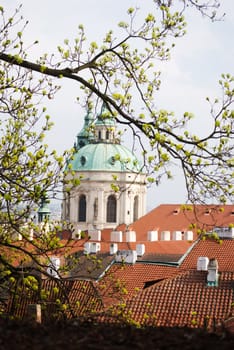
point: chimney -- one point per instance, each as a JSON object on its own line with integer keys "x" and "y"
{"x": 113, "y": 248}
{"x": 202, "y": 263}
{"x": 130, "y": 236}
{"x": 165, "y": 236}
{"x": 76, "y": 234}
{"x": 176, "y": 235}
{"x": 188, "y": 235}
{"x": 116, "y": 236}
{"x": 224, "y": 232}
{"x": 126, "y": 256}
{"x": 95, "y": 235}
{"x": 212, "y": 276}
{"x": 53, "y": 266}
{"x": 140, "y": 249}
{"x": 152, "y": 236}
{"x": 87, "y": 247}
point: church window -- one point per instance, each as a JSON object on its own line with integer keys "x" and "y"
{"x": 111, "y": 209}
{"x": 82, "y": 209}
{"x": 112, "y": 160}
{"x": 82, "y": 160}
{"x": 135, "y": 208}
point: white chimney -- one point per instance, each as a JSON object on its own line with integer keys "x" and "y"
{"x": 140, "y": 249}
{"x": 188, "y": 235}
{"x": 116, "y": 236}
{"x": 87, "y": 247}
{"x": 225, "y": 232}
{"x": 94, "y": 235}
{"x": 177, "y": 235}
{"x": 202, "y": 263}
{"x": 152, "y": 236}
{"x": 95, "y": 247}
{"x": 165, "y": 236}
{"x": 113, "y": 248}
{"x": 212, "y": 276}
{"x": 127, "y": 256}
{"x": 53, "y": 267}
{"x": 76, "y": 234}
{"x": 130, "y": 236}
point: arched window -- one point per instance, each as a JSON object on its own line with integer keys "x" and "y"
{"x": 135, "y": 208}
{"x": 107, "y": 134}
{"x": 82, "y": 209}
{"x": 99, "y": 135}
{"x": 111, "y": 209}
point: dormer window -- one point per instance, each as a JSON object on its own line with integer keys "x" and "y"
{"x": 176, "y": 211}
{"x": 207, "y": 211}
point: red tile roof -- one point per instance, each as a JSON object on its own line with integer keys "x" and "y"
{"x": 81, "y": 296}
{"x": 223, "y": 252}
{"x": 133, "y": 278}
{"x": 166, "y": 217}
{"x": 160, "y": 247}
{"x": 171, "y": 296}
{"x": 177, "y": 217}
{"x": 184, "y": 300}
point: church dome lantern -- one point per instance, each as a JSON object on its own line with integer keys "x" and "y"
{"x": 105, "y": 126}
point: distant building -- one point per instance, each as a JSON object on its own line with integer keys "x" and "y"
{"x": 43, "y": 211}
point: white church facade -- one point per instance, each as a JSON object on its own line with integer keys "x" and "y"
{"x": 112, "y": 188}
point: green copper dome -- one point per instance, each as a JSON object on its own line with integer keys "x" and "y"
{"x": 104, "y": 157}
{"x": 102, "y": 150}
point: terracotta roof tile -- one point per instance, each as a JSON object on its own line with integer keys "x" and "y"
{"x": 82, "y": 297}
{"x": 177, "y": 217}
{"x": 223, "y": 252}
{"x": 133, "y": 278}
{"x": 184, "y": 300}
{"x": 157, "y": 247}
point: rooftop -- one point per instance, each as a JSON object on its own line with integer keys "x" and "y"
{"x": 177, "y": 217}
{"x": 185, "y": 300}
{"x": 223, "y": 251}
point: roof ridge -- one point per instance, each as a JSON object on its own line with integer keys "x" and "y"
{"x": 181, "y": 260}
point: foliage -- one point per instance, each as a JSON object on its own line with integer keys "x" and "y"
{"x": 119, "y": 71}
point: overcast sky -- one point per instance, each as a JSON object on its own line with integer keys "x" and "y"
{"x": 197, "y": 62}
